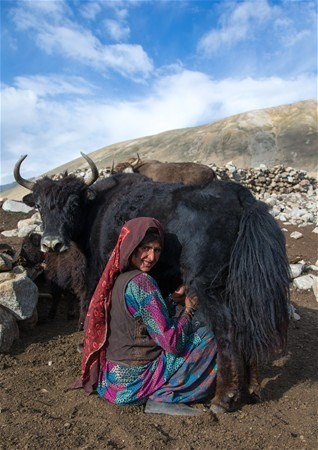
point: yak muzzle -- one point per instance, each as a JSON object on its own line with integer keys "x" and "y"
{"x": 52, "y": 244}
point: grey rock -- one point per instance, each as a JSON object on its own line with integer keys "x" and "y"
{"x": 29, "y": 324}
{"x": 26, "y": 229}
{"x": 296, "y": 269}
{"x": 304, "y": 282}
{"x": 15, "y": 206}
{"x": 315, "y": 286}
{"x": 10, "y": 233}
{"x": 296, "y": 235}
{"x": 19, "y": 295}
{"x": 6, "y": 262}
{"x": 9, "y": 330}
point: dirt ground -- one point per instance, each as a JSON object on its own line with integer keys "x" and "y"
{"x": 36, "y": 413}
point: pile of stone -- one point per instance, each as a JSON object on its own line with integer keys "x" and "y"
{"x": 263, "y": 180}
{"x": 18, "y": 293}
{"x": 18, "y": 299}
{"x": 83, "y": 173}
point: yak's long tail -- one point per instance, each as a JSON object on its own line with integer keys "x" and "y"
{"x": 258, "y": 284}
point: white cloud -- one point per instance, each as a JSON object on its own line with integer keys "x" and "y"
{"x": 237, "y": 25}
{"x": 81, "y": 45}
{"x": 60, "y": 36}
{"x": 44, "y": 86}
{"x": 90, "y": 10}
{"x": 53, "y": 131}
{"x": 31, "y": 14}
{"x": 117, "y": 30}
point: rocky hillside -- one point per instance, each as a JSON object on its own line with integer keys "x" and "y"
{"x": 285, "y": 135}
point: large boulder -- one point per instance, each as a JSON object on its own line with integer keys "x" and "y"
{"x": 18, "y": 294}
{"x": 9, "y": 330}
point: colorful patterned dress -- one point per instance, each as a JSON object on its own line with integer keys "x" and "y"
{"x": 183, "y": 372}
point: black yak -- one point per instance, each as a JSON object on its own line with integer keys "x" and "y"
{"x": 219, "y": 240}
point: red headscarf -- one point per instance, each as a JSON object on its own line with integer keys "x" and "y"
{"x": 96, "y": 323}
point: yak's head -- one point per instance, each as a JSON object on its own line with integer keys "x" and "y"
{"x": 61, "y": 205}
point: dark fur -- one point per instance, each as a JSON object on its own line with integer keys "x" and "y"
{"x": 219, "y": 241}
{"x": 60, "y": 275}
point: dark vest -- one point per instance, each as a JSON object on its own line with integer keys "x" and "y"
{"x": 128, "y": 341}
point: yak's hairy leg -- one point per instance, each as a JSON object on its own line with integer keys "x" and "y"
{"x": 71, "y": 309}
{"x": 228, "y": 378}
{"x": 82, "y": 317}
{"x": 56, "y": 297}
{"x": 252, "y": 383}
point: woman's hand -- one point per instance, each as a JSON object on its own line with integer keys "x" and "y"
{"x": 178, "y": 296}
{"x": 191, "y": 303}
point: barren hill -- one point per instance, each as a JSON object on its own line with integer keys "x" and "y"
{"x": 281, "y": 135}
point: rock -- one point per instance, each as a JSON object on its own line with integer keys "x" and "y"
{"x": 304, "y": 282}
{"x": 6, "y": 262}
{"x": 18, "y": 294}
{"x": 9, "y": 330}
{"x": 282, "y": 217}
{"x": 292, "y": 312}
{"x": 315, "y": 286}
{"x": 315, "y": 230}
{"x": 18, "y": 270}
{"x": 29, "y": 324}
{"x": 9, "y": 233}
{"x": 296, "y": 235}
{"x": 7, "y": 249}
{"x": 14, "y": 206}
{"x": 26, "y": 229}
{"x": 296, "y": 269}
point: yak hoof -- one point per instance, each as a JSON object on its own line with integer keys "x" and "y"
{"x": 217, "y": 409}
{"x": 253, "y": 397}
{"x": 79, "y": 348}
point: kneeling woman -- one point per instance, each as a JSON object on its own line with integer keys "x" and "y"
{"x": 134, "y": 352}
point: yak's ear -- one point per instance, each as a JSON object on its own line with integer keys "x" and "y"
{"x": 90, "y": 194}
{"x": 29, "y": 200}
{"x": 35, "y": 239}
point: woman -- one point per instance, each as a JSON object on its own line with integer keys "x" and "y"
{"x": 134, "y": 352}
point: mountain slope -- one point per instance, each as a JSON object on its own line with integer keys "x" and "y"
{"x": 285, "y": 135}
{"x": 282, "y": 135}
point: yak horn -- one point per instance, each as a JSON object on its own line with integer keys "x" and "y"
{"x": 25, "y": 183}
{"x": 94, "y": 174}
{"x": 135, "y": 163}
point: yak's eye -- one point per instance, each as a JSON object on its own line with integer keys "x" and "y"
{"x": 73, "y": 202}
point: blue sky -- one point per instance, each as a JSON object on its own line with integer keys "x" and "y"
{"x": 79, "y": 75}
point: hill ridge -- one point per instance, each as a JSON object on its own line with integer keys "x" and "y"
{"x": 285, "y": 134}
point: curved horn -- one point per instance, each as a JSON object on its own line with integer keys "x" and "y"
{"x": 25, "y": 183}
{"x": 94, "y": 174}
{"x": 112, "y": 170}
{"x": 135, "y": 163}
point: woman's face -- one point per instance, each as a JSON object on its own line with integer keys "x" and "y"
{"x": 146, "y": 256}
